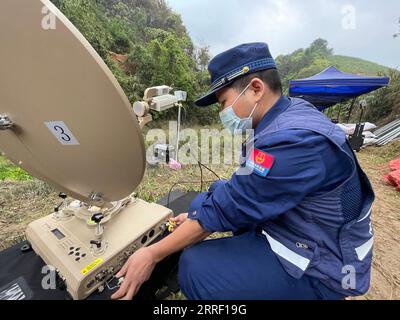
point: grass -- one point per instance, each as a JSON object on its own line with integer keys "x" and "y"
{"x": 10, "y": 172}
{"x": 381, "y": 155}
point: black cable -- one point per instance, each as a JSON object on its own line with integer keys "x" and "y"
{"x": 201, "y": 177}
{"x": 194, "y": 182}
{"x": 201, "y": 166}
{"x": 219, "y": 178}
{"x": 183, "y": 182}
{"x": 187, "y": 182}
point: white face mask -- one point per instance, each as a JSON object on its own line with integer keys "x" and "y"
{"x": 232, "y": 122}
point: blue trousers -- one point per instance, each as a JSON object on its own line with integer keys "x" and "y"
{"x": 243, "y": 268}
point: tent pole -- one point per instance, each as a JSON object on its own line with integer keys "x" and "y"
{"x": 340, "y": 110}
{"x": 351, "y": 110}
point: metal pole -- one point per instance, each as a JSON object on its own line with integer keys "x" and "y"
{"x": 387, "y": 131}
{"x": 389, "y": 137}
{"x": 361, "y": 114}
{"x": 351, "y": 110}
{"x": 386, "y": 128}
{"x": 340, "y": 110}
{"x": 179, "y": 131}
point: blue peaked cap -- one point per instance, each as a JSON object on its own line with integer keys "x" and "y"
{"x": 233, "y": 64}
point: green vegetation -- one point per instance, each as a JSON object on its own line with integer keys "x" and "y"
{"x": 384, "y": 104}
{"x": 145, "y": 44}
{"x": 9, "y": 172}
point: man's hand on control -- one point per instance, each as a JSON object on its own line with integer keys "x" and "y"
{"x": 141, "y": 264}
{"x": 136, "y": 271}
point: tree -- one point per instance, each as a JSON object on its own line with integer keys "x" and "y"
{"x": 384, "y": 104}
{"x": 203, "y": 57}
{"x": 320, "y": 47}
{"x": 152, "y": 37}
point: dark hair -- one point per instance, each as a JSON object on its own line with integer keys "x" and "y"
{"x": 270, "y": 77}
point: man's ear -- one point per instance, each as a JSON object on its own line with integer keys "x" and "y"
{"x": 258, "y": 88}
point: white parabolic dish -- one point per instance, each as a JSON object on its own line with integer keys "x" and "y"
{"x": 73, "y": 125}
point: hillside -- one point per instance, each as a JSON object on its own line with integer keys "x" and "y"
{"x": 357, "y": 65}
{"x": 145, "y": 44}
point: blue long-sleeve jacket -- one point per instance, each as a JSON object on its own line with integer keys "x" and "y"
{"x": 309, "y": 197}
{"x": 304, "y": 162}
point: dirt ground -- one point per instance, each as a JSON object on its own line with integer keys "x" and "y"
{"x": 385, "y": 283}
{"x": 23, "y": 202}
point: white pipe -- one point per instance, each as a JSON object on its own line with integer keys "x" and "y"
{"x": 179, "y": 131}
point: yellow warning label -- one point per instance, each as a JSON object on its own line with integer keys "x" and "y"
{"x": 91, "y": 266}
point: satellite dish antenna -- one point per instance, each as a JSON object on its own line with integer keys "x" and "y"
{"x": 65, "y": 118}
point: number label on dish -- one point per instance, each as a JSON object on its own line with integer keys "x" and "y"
{"x": 60, "y": 130}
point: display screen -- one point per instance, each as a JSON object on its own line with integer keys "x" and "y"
{"x": 58, "y": 234}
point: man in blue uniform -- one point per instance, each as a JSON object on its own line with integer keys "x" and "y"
{"x": 299, "y": 206}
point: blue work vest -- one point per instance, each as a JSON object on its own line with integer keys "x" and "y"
{"x": 315, "y": 238}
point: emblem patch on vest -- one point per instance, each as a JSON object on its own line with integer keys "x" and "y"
{"x": 261, "y": 162}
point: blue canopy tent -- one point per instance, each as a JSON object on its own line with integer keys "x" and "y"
{"x": 332, "y": 86}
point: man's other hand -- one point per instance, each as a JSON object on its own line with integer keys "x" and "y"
{"x": 179, "y": 220}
